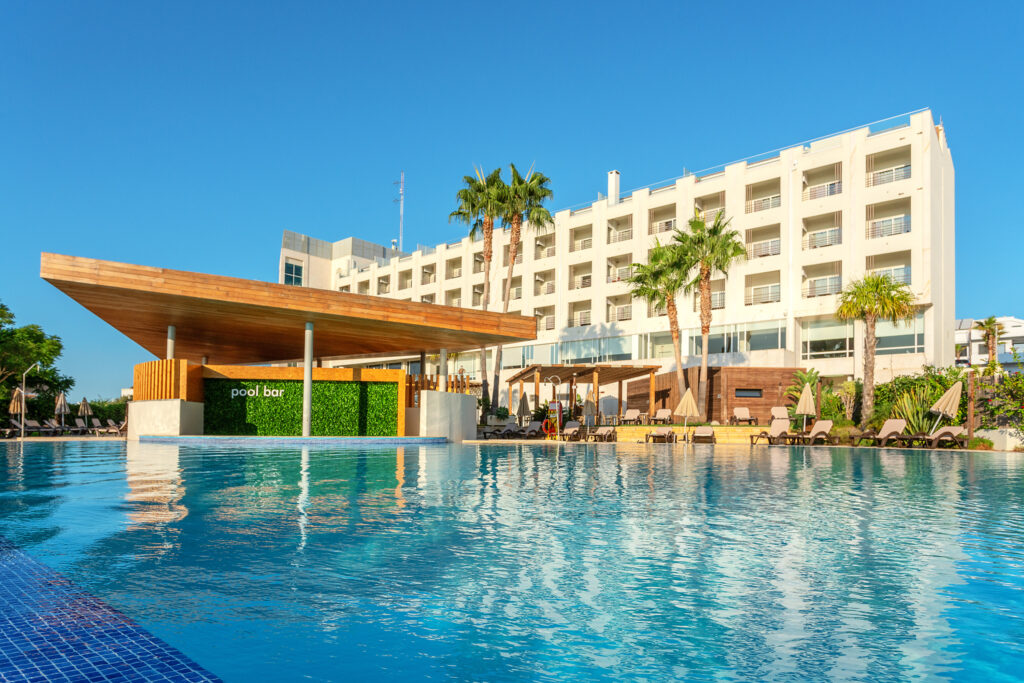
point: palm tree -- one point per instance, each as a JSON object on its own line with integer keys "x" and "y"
{"x": 875, "y": 297}
{"x": 479, "y": 205}
{"x": 707, "y": 249}
{"x": 522, "y": 202}
{"x": 659, "y": 282}
{"x": 991, "y": 330}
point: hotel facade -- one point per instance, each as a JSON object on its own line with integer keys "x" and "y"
{"x": 814, "y": 217}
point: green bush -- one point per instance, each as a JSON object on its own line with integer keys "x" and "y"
{"x": 980, "y": 443}
{"x": 339, "y": 408}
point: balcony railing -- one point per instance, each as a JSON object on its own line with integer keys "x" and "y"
{"x": 546, "y": 323}
{"x": 764, "y": 294}
{"x": 580, "y": 245}
{"x": 516, "y": 293}
{"x": 661, "y": 226}
{"x": 823, "y": 286}
{"x": 545, "y": 287}
{"x": 656, "y": 311}
{"x": 455, "y": 302}
{"x": 888, "y": 175}
{"x": 899, "y": 274}
{"x": 620, "y": 274}
{"x": 581, "y": 319}
{"x": 618, "y": 313}
{"x": 383, "y": 289}
{"x": 823, "y": 190}
{"x": 428, "y": 278}
{"x": 717, "y": 301}
{"x": 823, "y": 238}
{"x": 545, "y": 252}
{"x": 772, "y": 247}
{"x": 764, "y": 203}
{"x": 888, "y": 227}
{"x": 519, "y": 259}
{"x": 580, "y": 282}
{"x": 478, "y": 266}
{"x": 708, "y": 215}
{"x": 405, "y": 284}
{"x": 620, "y": 236}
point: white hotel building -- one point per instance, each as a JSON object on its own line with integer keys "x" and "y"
{"x": 814, "y": 216}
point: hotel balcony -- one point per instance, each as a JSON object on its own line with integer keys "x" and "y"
{"x": 620, "y": 235}
{"x": 764, "y": 196}
{"x": 762, "y": 294}
{"x": 888, "y": 227}
{"x": 405, "y": 279}
{"x": 580, "y": 276}
{"x": 717, "y": 297}
{"x": 661, "y": 219}
{"x": 544, "y": 247}
{"x": 619, "y": 309}
{"x": 544, "y": 283}
{"x": 545, "y": 323}
{"x": 620, "y": 229}
{"x": 822, "y": 279}
{"x": 453, "y": 268}
{"x": 516, "y": 292}
{"x": 579, "y": 317}
{"x": 478, "y": 263}
{"x": 427, "y": 299}
{"x": 822, "y": 238}
{"x": 383, "y": 285}
{"x": 895, "y": 265}
{"x": 453, "y": 297}
{"x": 363, "y": 287}
{"x": 709, "y": 206}
{"x": 824, "y": 181}
{"x": 427, "y": 275}
{"x": 519, "y": 256}
{"x": 763, "y": 242}
{"x": 888, "y": 167}
{"x": 581, "y": 238}
{"x": 658, "y": 227}
{"x": 654, "y": 311}
{"x": 619, "y": 268}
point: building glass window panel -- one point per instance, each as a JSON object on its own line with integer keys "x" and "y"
{"x": 895, "y": 339}
{"x": 827, "y": 339}
{"x": 582, "y": 351}
{"x": 749, "y": 393}
{"x": 763, "y": 336}
{"x": 512, "y": 357}
{"x": 718, "y": 342}
{"x": 616, "y": 348}
{"x": 659, "y": 345}
{"x": 293, "y": 273}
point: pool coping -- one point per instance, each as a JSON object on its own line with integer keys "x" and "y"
{"x": 298, "y": 440}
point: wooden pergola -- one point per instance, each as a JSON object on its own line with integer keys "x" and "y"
{"x": 596, "y": 375}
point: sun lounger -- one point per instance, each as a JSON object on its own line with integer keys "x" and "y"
{"x": 664, "y": 416}
{"x": 509, "y": 431}
{"x": 99, "y": 428}
{"x": 41, "y": 430}
{"x": 603, "y": 434}
{"x": 953, "y": 435}
{"x": 662, "y": 435}
{"x": 631, "y": 417}
{"x": 55, "y": 427}
{"x": 534, "y": 430}
{"x": 819, "y": 432}
{"x": 778, "y": 433}
{"x": 703, "y": 434}
{"x": 742, "y": 416}
{"x": 890, "y": 431}
{"x": 572, "y": 431}
{"x": 119, "y": 429}
{"x": 780, "y": 413}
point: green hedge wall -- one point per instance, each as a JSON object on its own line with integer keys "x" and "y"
{"x": 339, "y": 408}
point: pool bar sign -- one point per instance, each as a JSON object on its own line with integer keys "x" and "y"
{"x": 264, "y": 391}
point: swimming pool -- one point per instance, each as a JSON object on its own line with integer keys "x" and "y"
{"x": 505, "y": 561}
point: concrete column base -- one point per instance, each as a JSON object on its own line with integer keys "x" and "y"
{"x": 170, "y": 417}
{"x": 452, "y": 416}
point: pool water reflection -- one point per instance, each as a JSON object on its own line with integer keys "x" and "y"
{"x": 505, "y": 561}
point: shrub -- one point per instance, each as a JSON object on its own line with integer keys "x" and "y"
{"x": 913, "y": 406}
{"x": 980, "y": 443}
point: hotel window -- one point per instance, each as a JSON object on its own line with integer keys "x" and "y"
{"x": 742, "y": 338}
{"x": 749, "y": 393}
{"x": 826, "y": 339}
{"x": 293, "y": 272}
{"x": 659, "y": 345}
{"x": 901, "y": 337}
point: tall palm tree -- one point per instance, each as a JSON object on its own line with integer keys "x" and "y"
{"x": 873, "y": 298}
{"x": 479, "y": 205}
{"x": 522, "y": 202}
{"x": 659, "y": 282}
{"x": 707, "y": 249}
{"x": 991, "y": 330}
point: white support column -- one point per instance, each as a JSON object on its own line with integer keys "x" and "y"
{"x": 172, "y": 332}
{"x": 307, "y": 381}
{"x": 443, "y": 372}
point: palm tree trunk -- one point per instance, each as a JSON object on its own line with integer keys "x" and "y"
{"x": 513, "y": 248}
{"x": 488, "y": 227}
{"x": 673, "y": 326}
{"x": 705, "y": 330}
{"x": 991, "y": 339}
{"x": 870, "y": 341}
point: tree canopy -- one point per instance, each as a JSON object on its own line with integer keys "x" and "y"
{"x": 20, "y": 347}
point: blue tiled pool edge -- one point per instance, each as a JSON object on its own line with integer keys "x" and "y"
{"x": 298, "y": 440}
{"x": 52, "y": 630}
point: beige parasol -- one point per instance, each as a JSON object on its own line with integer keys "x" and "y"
{"x": 687, "y": 408}
{"x": 61, "y": 407}
{"x": 84, "y": 409}
{"x": 948, "y": 404}
{"x": 805, "y": 406}
{"x": 524, "y": 411}
{"x": 589, "y": 406}
{"x": 17, "y": 406}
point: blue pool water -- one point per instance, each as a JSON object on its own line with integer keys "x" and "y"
{"x": 503, "y": 562}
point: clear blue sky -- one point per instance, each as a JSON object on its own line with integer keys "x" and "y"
{"x": 190, "y": 134}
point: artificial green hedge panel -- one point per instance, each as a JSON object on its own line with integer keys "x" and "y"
{"x": 274, "y": 408}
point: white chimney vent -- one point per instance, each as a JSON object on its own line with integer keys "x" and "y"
{"x": 613, "y": 187}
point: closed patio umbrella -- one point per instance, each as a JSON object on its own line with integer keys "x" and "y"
{"x": 805, "y": 406}
{"x": 524, "y": 411}
{"x": 84, "y": 409}
{"x": 61, "y": 407}
{"x": 948, "y": 404}
{"x": 17, "y": 406}
{"x": 687, "y": 408}
{"x": 589, "y": 407}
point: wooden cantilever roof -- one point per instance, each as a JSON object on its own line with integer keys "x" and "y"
{"x": 231, "y": 320}
{"x": 607, "y": 374}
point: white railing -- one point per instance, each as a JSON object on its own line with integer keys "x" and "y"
{"x": 455, "y": 302}
{"x": 546, "y": 287}
{"x": 620, "y": 274}
{"x": 454, "y": 273}
{"x": 717, "y": 301}
{"x": 405, "y": 284}
{"x": 823, "y": 286}
{"x": 898, "y": 274}
{"x": 620, "y": 236}
{"x": 823, "y": 190}
{"x": 519, "y": 259}
{"x": 427, "y": 278}
{"x": 764, "y": 294}
{"x": 383, "y": 289}
{"x": 545, "y": 252}
{"x": 661, "y": 226}
{"x": 580, "y": 282}
{"x": 581, "y": 319}
{"x": 888, "y": 175}
{"x": 708, "y": 215}
{"x": 823, "y": 238}
{"x": 546, "y": 323}
{"x": 888, "y": 227}
{"x": 764, "y": 203}
{"x": 617, "y": 313}
{"x": 656, "y": 311}
{"x": 516, "y": 293}
{"x": 772, "y": 247}
{"x": 580, "y": 245}
{"x": 478, "y": 266}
